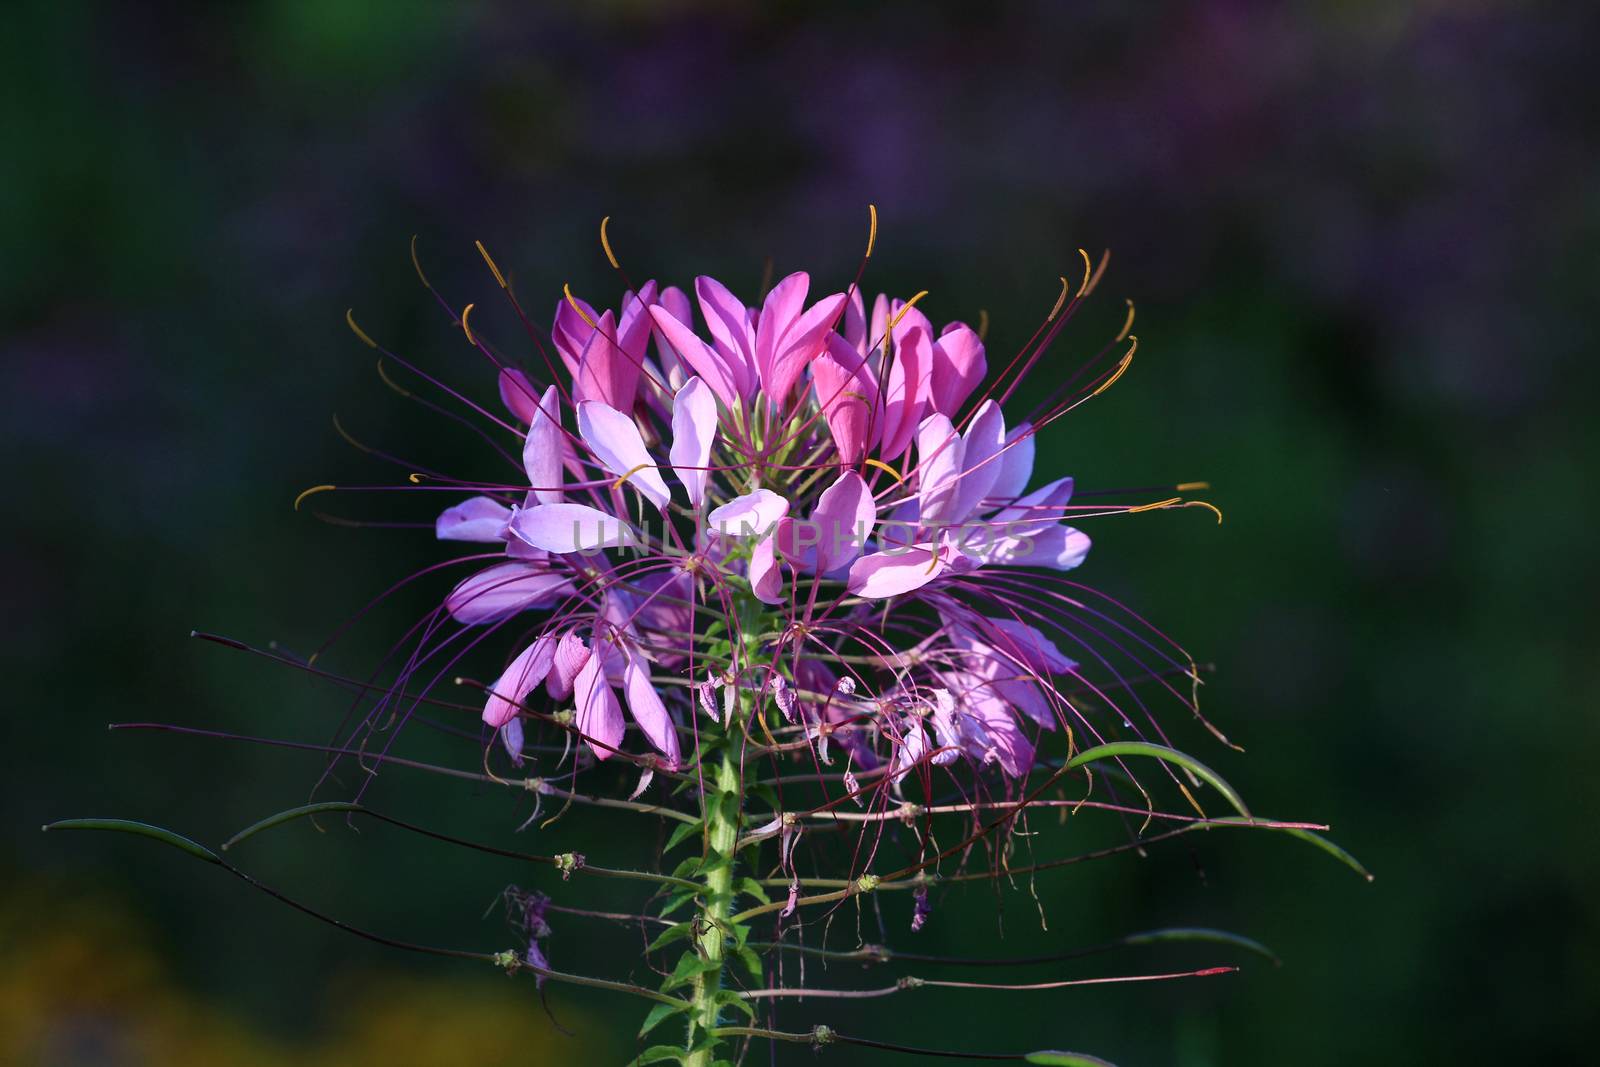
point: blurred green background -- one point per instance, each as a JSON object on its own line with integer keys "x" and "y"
{"x": 1362, "y": 240}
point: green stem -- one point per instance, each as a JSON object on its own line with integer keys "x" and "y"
{"x": 722, "y": 826}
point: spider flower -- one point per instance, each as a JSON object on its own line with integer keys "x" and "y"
{"x": 806, "y": 458}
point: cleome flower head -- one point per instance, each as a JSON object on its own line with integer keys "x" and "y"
{"x": 783, "y": 579}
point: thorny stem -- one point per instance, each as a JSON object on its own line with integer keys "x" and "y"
{"x": 723, "y": 809}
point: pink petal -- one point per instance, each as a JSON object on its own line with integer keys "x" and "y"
{"x": 647, "y": 709}
{"x": 1031, "y": 646}
{"x": 676, "y": 303}
{"x": 766, "y": 576}
{"x": 519, "y": 679}
{"x": 939, "y": 466}
{"x": 906, "y": 396}
{"x": 958, "y": 368}
{"x": 843, "y": 521}
{"x": 503, "y": 590}
{"x": 980, "y": 460}
{"x": 805, "y": 340}
{"x": 848, "y": 395}
{"x": 750, "y": 515}
{"x": 1016, "y": 464}
{"x": 477, "y": 519}
{"x": 694, "y": 429}
{"x": 729, "y": 322}
{"x": 543, "y": 448}
{"x": 571, "y": 333}
{"x": 599, "y": 716}
{"x": 714, "y": 367}
{"x": 517, "y": 393}
{"x": 887, "y": 574}
{"x": 564, "y": 528}
{"x": 1041, "y": 505}
{"x": 570, "y": 657}
{"x": 779, "y": 312}
{"x": 1058, "y": 547}
{"x": 617, "y": 444}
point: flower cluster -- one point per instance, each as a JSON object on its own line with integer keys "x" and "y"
{"x": 825, "y": 463}
{"x": 792, "y": 565}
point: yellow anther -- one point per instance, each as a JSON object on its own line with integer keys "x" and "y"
{"x": 464, "y": 327}
{"x": 417, "y": 264}
{"x": 1126, "y": 326}
{"x": 881, "y": 465}
{"x": 573, "y": 301}
{"x": 484, "y": 252}
{"x": 1158, "y": 504}
{"x": 983, "y": 324}
{"x": 1192, "y": 801}
{"x": 390, "y": 382}
{"x": 1099, "y": 272}
{"x": 1121, "y": 369}
{"x": 1088, "y": 269}
{"x": 620, "y": 482}
{"x": 1066, "y": 286}
{"x": 350, "y": 317}
{"x": 415, "y": 478}
{"x": 934, "y": 562}
{"x": 346, "y": 435}
{"x": 872, "y": 228}
{"x": 1190, "y": 487}
{"x": 902, "y": 312}
{"x": 308, "y": 492}
{"x": 606, "y": 244}
{"x": 1209, "y": 507}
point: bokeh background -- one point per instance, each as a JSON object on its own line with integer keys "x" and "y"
{"x": 1362, "y": 241}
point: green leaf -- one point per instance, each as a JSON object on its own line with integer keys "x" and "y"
{"x": 676, "y": 932}
{"x": 751, "y": 961}
{"x": 689, "y": 967}
{"x": 678, "y": 900}
{"x": 1066, "y": 1059}
{"x": 751, "y": 887}
{"x": 286, "y": 816}
{"x": 680, "y": 832}
{"x": 1169, "y": 755}
{"x": 1201, "y": 933}
{"x": 686, "y": 866}
{"x": 731, "y": 999}
{"x": 659, "y": 1014}
{"x": 659, "y": 1054}
{"x": 142, "y": 829}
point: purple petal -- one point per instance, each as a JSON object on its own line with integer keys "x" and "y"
{"x": 571, "y": 656}
{"x": 501, "y": 591}
{"x": 843, "y": 521}
{"x": 542, "y": 449}
{"x": 647, "y": 709}
{"x": 1016, "y": 464}
{"x": 694, "y": 430}
{"x": 779, "y": 312}
{"x": 714, "y": 367}
{"x": 729, "y": 322}
{"x": 518, "y": 680}
{"x": 599, "y": 716}
{"x": 906, "y": 395}
{"x": 618, "y": 445}
{"x": 564, "y": 528}
{"x": 517, "y": 393}
{"x": 848, "y": 395}
{"x": 1059, "y": 547}
{"x": 477, "y": 519}
{"x": 958, "y": 368}
{"x": 752, "y": 514}
{"x": 1041, "y": 505}
{"x": 980, "y": 459}
{"x": 886, "y": 574}
{"x": 939, "y": 466}
{"x": 766, "y": 577}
